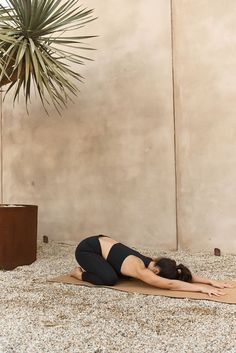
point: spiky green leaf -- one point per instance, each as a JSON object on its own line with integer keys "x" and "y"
{"x": 34, "y": 47}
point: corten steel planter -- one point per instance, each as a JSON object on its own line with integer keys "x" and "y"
{"x": 18, "y": 235}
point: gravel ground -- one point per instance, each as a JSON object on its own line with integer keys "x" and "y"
{"x": 42, "y": 317}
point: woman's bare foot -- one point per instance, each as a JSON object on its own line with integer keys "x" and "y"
{"x": 77, "y": 273}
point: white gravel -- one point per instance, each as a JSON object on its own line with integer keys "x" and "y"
{"x": 41, "y": 317}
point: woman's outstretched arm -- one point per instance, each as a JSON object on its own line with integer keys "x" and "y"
{"x": 154, "y": 280}
{"x": 198, "y": 279}
{"x": 212, "y": 282}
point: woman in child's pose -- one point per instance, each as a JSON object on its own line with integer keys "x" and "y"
{"x": 103, "y": 260}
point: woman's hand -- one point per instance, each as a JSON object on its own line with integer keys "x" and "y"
{"x": 220, "y": 284}
{"x": 211, "y": 292}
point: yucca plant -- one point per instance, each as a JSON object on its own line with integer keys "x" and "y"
{"x": 37, "y": 47}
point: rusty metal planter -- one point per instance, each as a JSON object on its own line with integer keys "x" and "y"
{"x": 18, "y": 235}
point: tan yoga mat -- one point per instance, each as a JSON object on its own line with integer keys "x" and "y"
{"x": 135, "y": 286}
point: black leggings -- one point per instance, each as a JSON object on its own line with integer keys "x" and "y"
{"x": 97, "y": 270}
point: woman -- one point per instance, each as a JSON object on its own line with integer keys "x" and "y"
{"x": 103, "y": 260}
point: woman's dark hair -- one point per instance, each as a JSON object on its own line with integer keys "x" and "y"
{"x": 169, "y": 269}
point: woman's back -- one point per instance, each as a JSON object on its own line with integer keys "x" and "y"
{"x": 106, "y": 244}
{"x": 124, "y": 259}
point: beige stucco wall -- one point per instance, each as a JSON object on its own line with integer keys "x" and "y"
{"x": 205, "y": 71}
{"x": 106, "y": 166}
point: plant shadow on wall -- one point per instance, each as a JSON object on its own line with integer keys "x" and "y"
{"x": 39, "y": 46}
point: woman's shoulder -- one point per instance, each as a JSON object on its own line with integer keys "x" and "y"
{"x": 132, "y": 265}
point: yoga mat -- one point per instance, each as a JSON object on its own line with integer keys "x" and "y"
{"x": 135, "y": 286}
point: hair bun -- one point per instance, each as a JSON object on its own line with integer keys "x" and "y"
{"x": 183, "y": 273}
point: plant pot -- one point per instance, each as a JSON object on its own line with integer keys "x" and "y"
{"x": 18, "y": 235}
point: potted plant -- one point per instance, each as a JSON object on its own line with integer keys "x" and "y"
{"x": 39, "y": 47}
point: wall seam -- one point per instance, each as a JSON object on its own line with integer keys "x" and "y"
{"x": 174, "y": 122}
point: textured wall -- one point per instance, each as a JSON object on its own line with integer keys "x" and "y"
{"x": 107, "y": 166}
{"x": 205, "y": 67}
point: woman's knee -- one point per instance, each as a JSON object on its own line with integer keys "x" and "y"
{"x": 110, "y": 279}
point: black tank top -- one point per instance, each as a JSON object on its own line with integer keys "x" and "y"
{"x": 119, "y": 252}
